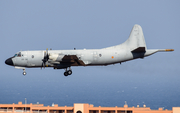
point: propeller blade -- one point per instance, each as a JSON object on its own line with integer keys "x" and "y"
{"x": 41, "y": 65}
{"x": 45, "y": 59}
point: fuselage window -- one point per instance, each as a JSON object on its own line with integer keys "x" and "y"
{"x": 32, "y": 56}
{"x": 100, "y": 55}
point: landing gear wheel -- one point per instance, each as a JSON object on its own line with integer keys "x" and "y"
{"x": 69, "y": 72}
{"x": 24, "y": 73}
{"x": 65, "y": 73}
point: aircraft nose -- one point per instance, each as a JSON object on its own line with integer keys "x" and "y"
{"x": 9, "y": 61}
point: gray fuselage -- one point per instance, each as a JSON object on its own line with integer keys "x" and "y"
{"x": 134, "y": 47}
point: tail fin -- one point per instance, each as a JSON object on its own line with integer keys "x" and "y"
{"x": 136, "y": 39}
{"x": 135, "y": 42}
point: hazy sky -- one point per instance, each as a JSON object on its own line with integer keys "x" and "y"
{"x": 60, "y": 24}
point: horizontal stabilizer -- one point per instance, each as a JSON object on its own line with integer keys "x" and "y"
{"x": 139, "y": 49}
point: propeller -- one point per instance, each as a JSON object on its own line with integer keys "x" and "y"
{"x": 45, "y": 59}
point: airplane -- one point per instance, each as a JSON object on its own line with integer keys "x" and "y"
{"x": 133, "y": 48}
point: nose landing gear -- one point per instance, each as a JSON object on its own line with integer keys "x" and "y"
{"x": 24, "y": 72}
{"x": 68, "y": 72}
{"x": 23, "y": 68}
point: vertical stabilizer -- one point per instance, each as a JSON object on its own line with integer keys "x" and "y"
{"x": 136, "y": 39}
{"x": 135, "y": 42}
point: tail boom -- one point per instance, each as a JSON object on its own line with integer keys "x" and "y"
{"x": 165, "y": 50}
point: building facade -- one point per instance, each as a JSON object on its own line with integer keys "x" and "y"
{"x": 78, "y": 108}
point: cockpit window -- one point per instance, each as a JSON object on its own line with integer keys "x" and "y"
{"x": 15, "y": 55}
{"x": 19, "y": 54}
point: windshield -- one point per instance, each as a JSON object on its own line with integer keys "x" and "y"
{"x": 17, "y": 54}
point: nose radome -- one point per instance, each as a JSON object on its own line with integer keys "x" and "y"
{"x": 9, "y": 61}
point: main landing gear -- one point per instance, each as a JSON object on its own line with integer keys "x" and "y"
{"x": 67, "y": 72}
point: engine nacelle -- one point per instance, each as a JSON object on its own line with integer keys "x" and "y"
{"x": 56, "y": 57}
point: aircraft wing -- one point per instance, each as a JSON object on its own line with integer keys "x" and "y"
{"x": 71, "y": 60}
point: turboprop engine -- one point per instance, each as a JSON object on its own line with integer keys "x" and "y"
{"x": 55, "y": 57}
